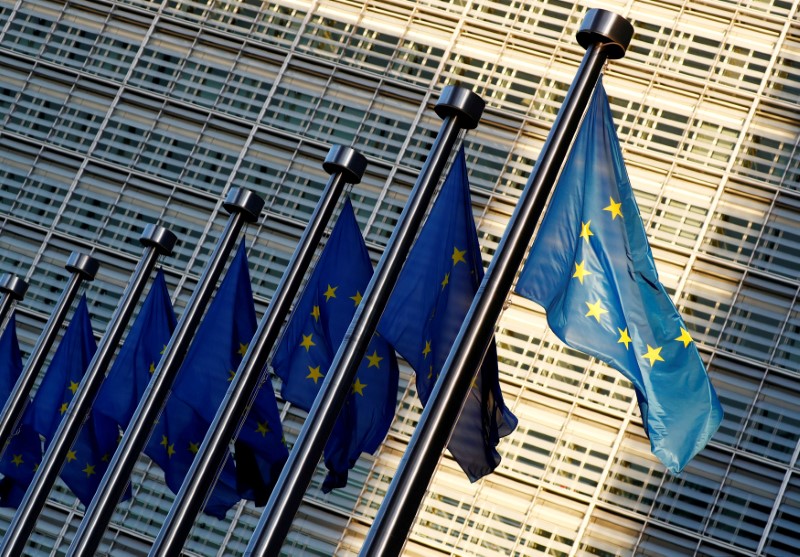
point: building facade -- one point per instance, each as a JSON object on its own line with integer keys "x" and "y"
{"x": 114, "y": 114}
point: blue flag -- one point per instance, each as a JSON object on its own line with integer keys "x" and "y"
{"x": 592, "y": 270}
{"x": 24, "y": 451}
{"x": 88, "y": 458}
{"x": 426, "y": 310}
{"x": 43, "y": 415}
{"x": 214, "y": 356}
{"x": 315, "y": 330}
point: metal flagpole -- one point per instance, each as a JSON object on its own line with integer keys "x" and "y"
{"x": 14, "y": 289}
{"x": 461, "y": 109}
{"x": 157, "y": 241}
{"x": 243, "y": 206}
{"x": 83, "y": 267}
{"x": 605, "y": 36}
{"x": 345, "y": 166}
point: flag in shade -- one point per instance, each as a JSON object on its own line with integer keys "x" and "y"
{"x": 138, "y": 357}
{"x": 214, "y": 356}
{"x": 425, "y": 312}
{"x": 591, "y": 268}
{"x": 24, "y": 450}
{"x": 312, "y": 336}
{"x": 88, "y": 458}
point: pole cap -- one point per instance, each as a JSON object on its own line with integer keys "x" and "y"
{"x": 602, "y": 26}
{"x": 246, "y": 202}
{"x": 13, "y": 286}
{"x": 159, "y": 238}
{"x": 346, "y": 160}
{"x": 462, "y": 103}
{"x": 82, "y": 264}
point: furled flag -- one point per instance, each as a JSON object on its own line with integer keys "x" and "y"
{"x": 309, "y": 343}
{"x": 24, "y": 451}
{"x": 88, "y": 458}
{"x": 425, "y": 312}
{"x": 591, "y": 268}
{"x": 216, "y": 351}
{"x": 43, "y": 415}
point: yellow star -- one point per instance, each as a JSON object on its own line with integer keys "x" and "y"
{"x": 427, "y": 349}
{"x": 36, "y": 467}
{"x": 580, "y": 271}
{"x": 89, "y": 470}
{"x": 685, "y": 337}
{"x": 243, "y": 349}
{"x": 152, "y": 367}
{"x": 358, "y": 387}
{"x": 374, "y": 360}
{"x": 307, "y": 342}
{"x": 314, "y": 374}
{"x": 330, "y": 292}
{"x": 315, "y": 313}
{"x": 71, "y": 456}
{"x": 623, "y": 337}
{"x": 231, "y": 375}
{"x": 164, "y": 349}
{"x": 356, "y": 298}
{"x": 595, "y": 310}
{"x": 430, "y": 371}
{"x": 194, "y": 447}
{"x": 63, "y": 408}
{"x": 458, "y": 255}
{"x": 166, "y": 444}
{"x": 445, "y": 280}
{"x": 585, "y": 231}
{"x": 106, "y": 457}
{"x": 653, "y": 354}
{"x": 262, "y": 428}
{"x": 614, "y": 208}
{"x": 17, "y": 460}
{"x": 73, "y": 386}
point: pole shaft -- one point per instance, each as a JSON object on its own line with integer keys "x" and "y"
{"x": 214, "y": 449}
{"x": 296, "y": 475}
{"x": 112, "y": 485}
{"x": 398, "y": 511}
{"x": 18, "y": 399}
{"x": 35, "y": 497}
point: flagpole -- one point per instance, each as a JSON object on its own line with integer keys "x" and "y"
{"x": 14, "y": 289}
{"x": 461, "y": 109}
{"x": 83, "y": 267}
{"x": 345, "y": 166}
{"x": 605, "y": 36}
{"x": 157, "y": 241}
{"x": 243, "y": 206}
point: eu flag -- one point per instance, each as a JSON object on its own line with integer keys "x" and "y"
{"x": 216, "y": 351}
{"x": 591, "y": 268}
{"x": 24, "y": 450}
{"x": 424, "y": 314}
{"x": 137, "y": 359}
{"x": 315, "y": 330}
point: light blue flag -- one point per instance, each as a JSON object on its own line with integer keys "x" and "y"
{"x": 425, "y": 312}
{"x": 24, "y": 451}
{"x": 591, "y": 268}
{"x": 312, "y": 337}
{"x": 88, "y": 458}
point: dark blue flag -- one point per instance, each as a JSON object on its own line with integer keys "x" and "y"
{"x": 214, "y": 356}
{"x": 139, "y": 356}
{"x": 426, "y": 310}
{"x": 591, "y": 268}
{"x": 315, "y": 330}
{"x": 24, "y": 451}
{"x": 88, "y": 458}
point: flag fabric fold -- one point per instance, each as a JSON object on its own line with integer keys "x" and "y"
{"x": 24, "y": 451}
{"x": 592, "y": 270}
{"x": 425, "y": 312}
{"x": 313, "y": 335}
